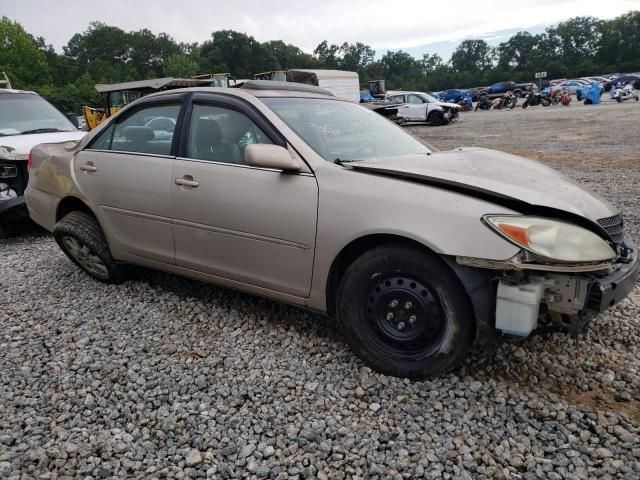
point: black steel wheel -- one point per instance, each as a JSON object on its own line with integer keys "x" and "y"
{"x": 404, "y": 312}
{"x": 405, "y": 316}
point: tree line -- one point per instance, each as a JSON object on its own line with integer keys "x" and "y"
{"x": 107, "y": 54}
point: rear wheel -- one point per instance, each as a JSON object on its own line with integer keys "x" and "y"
{"x": 82, "y": 240}
{"x": 404, "y": 312}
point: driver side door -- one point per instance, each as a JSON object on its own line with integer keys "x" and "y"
{"x": 249, "y": 225}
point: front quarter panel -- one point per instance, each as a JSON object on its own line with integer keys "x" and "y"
{"x": 353, "y": 205}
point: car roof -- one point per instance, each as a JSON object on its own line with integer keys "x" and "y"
{"x": 12, "y": 90}
{"x": 260, "y": 89}
{"x": 403, "y": 92}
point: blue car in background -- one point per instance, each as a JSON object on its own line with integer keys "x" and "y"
{"x": 452, "y": 95}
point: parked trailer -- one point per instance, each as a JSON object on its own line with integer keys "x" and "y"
{"x": 341, "y": 83}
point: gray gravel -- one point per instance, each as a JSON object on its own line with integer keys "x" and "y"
{"x": 163, "y": 377}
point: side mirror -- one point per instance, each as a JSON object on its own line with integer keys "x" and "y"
{"x": 73, "y": 118}
{"x": 270, "y": 156}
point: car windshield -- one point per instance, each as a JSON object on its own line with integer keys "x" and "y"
{"x": 25, "y": 113}
{"x": 429, "y": 98}
{"x": 343, "y": 131}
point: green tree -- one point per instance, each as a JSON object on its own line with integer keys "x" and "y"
{"x": 21, "y": 58}
{"x": 181, "y": 65}
{"x": 471, "y": 56}
{"x": 519, "y": 51}
{"x": 104, "y": 52}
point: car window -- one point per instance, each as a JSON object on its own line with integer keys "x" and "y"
{"x": 414, "y": 99}
{"x": 149, "y": 129}
{"x": 103, "y": 140}
{"x": 221, "y": 135}
{"x": 397, "y": 99}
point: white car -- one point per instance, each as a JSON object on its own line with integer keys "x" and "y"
{"x": 26, "y": 120}
{"x": 422, "y": 107}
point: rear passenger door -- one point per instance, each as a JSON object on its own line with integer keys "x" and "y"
{"x": 125, "y": 174}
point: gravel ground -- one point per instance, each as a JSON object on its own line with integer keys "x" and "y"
{"x": 163, "y": 377}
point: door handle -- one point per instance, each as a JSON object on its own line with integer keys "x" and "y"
{"x": 87, "y": 167}
{"x": 187, "y": 181}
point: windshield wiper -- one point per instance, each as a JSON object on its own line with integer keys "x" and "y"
{"x": 43, "y": 130}
{"x": 342, "y": 162}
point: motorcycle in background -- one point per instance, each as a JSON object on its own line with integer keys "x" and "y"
{"x": 622, "y": 94}
{"x": 532, "y": 99}
{"x": 483, "y": 103}
{"x": 508, "y": 101}
{"x": 465, "y": 102}
{"x": 554, "y": 97}
{"x": 565, "y": 98}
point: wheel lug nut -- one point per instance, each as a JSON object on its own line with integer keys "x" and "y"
{"x": 408, "y": 305}
{"x": 390, "y": 316}
{"x": 393, "y": 304}
{"x": 412, "y": 319}
{"x": 401, "y": 326}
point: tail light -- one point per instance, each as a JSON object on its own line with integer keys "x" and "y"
{"x": 29, "y": 161}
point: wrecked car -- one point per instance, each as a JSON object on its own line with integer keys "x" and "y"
{"x": 288, "y": 192}
{"x": 422, "y": 107}
{"x": 26, "y": 119}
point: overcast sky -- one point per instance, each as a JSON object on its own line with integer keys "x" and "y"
{"x": 383, "y": 24}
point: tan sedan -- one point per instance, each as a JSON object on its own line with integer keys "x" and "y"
{"x": 285, "y": 191}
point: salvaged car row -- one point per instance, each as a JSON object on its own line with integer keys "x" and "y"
{"x": 291, "y": 192}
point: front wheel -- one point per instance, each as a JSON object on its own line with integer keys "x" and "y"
{"x": 80, "y": 237}
{"x": 404, "y": 312}
{"x": 436, "y": 118}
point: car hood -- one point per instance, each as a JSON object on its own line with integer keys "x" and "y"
{"x": 17, "y": 147}
{"x": 447, "y": 104}
{"x": 495, "y": 175}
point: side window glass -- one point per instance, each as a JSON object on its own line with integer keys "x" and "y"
{"x": 103, "y": 140}
{"x": 221, "y": 135}
{"x": 148, "y": 130}
{"x": 415, "y": 99}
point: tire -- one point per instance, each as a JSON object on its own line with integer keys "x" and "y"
{"x": 526, "y": 103}
{"x": 4, "y": 230}
{"x": 431, "y": 327}
{"x": 619, "y": 99}
{"x": 436, "y": 118}
{"x": 518, "y": 94}
{"x": 82, "y": 240}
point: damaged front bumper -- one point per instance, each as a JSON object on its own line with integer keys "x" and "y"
{"x": 13, "y": 182}
{"x": 535, "y": 297}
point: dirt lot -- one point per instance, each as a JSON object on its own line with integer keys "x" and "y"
{"x": 163, "y": 377}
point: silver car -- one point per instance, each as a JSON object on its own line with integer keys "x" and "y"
{"x": 285, "y": 191}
